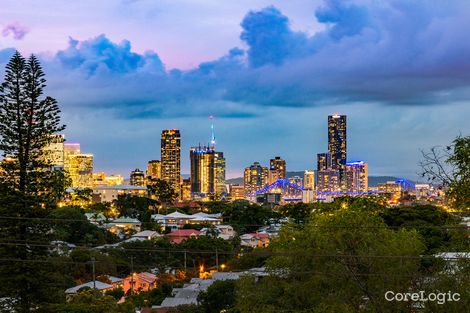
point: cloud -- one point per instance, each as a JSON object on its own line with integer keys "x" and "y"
{"x": 346, "y": 19}
{"x": 100, "y": 54}
{"x": 269, "y": 37}
{"x": 388, "y": 52}
{"x": 15, "y": 29}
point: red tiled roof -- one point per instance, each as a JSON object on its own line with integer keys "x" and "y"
{"x": 184, "y": 233}
{"x": 260, "y": 235}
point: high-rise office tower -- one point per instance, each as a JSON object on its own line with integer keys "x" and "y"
{"x": 219, "y": 163}
{"x": 323, "y": 161}
{"x": 277, "y": 169}
{"x": 337, "y": 143}
{"x": 309, "y": 180}
{"x": 70, "y": 149}
{"x": 357, "y": 177}
{"x": 137, "y": 178}
{"x": 202, "y": 170}
{"x": 171, "y": 157}
{"x": 154, "y": 169}
{"x": 328, "y": 181}
{"x": 80, "y": 169}
{"x": 54, "y": 151}
{"x": 255, "y": 177}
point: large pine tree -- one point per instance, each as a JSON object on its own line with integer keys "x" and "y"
{"x": 29, "y": 186}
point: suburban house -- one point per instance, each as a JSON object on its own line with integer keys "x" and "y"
{"x": 254, "y": 240}
{"x": 225, "y": 232}
{"x": 181, "y": 235}
{"x": 123, "y": 225}
{"x": 144, "y": 281}
{"x": 110, "y": 193}
{"x": 146, "y": 235}
{"x": 100, "y": 286}
{"x": 177, "y": 220}
{"x": 96, "y": 218}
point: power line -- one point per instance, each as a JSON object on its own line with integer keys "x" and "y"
{"x": 255, "y": 253}
{"x": 256, "y": 225}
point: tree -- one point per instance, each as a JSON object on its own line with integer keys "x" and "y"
{"x": 72, "y": 226}
{"x": 219, "y": 296}
{"x": 162, "y": 191}
{"x": 299, "y": 212}
{"x": 449, "y": 167}
{"x": 439, "y": 229}
{"x": 245, "y": 216}
{"x": 339, "y": 262}
{"x": 134, "y": 206}
{"x": 29, "y": 186}
{"x": 89, "y": 301}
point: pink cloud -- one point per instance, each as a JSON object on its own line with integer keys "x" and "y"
{"x": 17, "y": 30}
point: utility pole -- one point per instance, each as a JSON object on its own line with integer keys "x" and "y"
{"x": 93, "y": 261}
{"x": 132, "y": 275}
{"x": 217, "y": 259}
{"x": 185, "y": 260}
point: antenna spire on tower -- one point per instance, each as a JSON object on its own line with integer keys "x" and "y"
{"x": 211, "y": 118}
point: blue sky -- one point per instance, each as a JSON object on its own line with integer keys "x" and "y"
{"x": 269, "y": 71}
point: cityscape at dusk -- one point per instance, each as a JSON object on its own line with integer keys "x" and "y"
{"x": 134, "y": 68}
{"x": 208, "y": 156}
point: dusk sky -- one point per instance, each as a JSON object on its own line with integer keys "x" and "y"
{"x": 269, "y": 71}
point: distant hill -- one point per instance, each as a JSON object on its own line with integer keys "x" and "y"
{"x": 373, "y": 180}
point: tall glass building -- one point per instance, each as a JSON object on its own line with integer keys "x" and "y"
{"x": 255, "y": 177}
{"x": 207, "y": 171}
{"x": 202, "y": 170}
{"x": 357, "y": 177}
{"x": 337, "y": 143}
{"x": 171, "y": 157}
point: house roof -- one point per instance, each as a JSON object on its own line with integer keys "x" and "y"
{"x": 203, "y": 214}
{"x": 147, "y": 233}
{"x": 204, "y": 219}
{"x": 254, "y": 235}
{"x": 184, "y": 233}
{"x": 176, "y": 215}
{"x": 114, "y": 279}
{"x": 146, "y": 276}
{"x": 99, "y": 285}
{"x": 172, "y": 302}
{"x": 95, "y": 216}
{"x": 126, "y": 220}
{"x": 157, "y": 217}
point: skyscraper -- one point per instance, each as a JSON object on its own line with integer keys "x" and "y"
{"x": 255, "y": 177}
{"x": 357, "y": 179}
{"x": 154, "y": 169}
{"x": 277, "y": 169}
{"x": 219, "y": 163}
{"x": 171, "y": 157}
{"x": 323, "y": 161}
{"x": 337, "y": 143}
{"x": 80, "y": 169}
{"x": 202, "y": 170}
{"x": 54, "y": 152}
{"x": 328, "y": 181}
{"x": 137, "y": 178}
{"x": 309, "y": 180}
{"x": 70, "y": 149}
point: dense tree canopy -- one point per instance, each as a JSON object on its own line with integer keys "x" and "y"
{"x": 29, "y": 186}
{"x": 339, "y": 262}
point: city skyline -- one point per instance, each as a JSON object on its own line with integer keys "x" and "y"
{"x": 143, "y": 66}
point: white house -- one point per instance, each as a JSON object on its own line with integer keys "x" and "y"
{"x": 225, "y": 232}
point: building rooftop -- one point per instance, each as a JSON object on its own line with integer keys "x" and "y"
{"x": 120, "y": 187}
{"x": 99, "y": 286}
